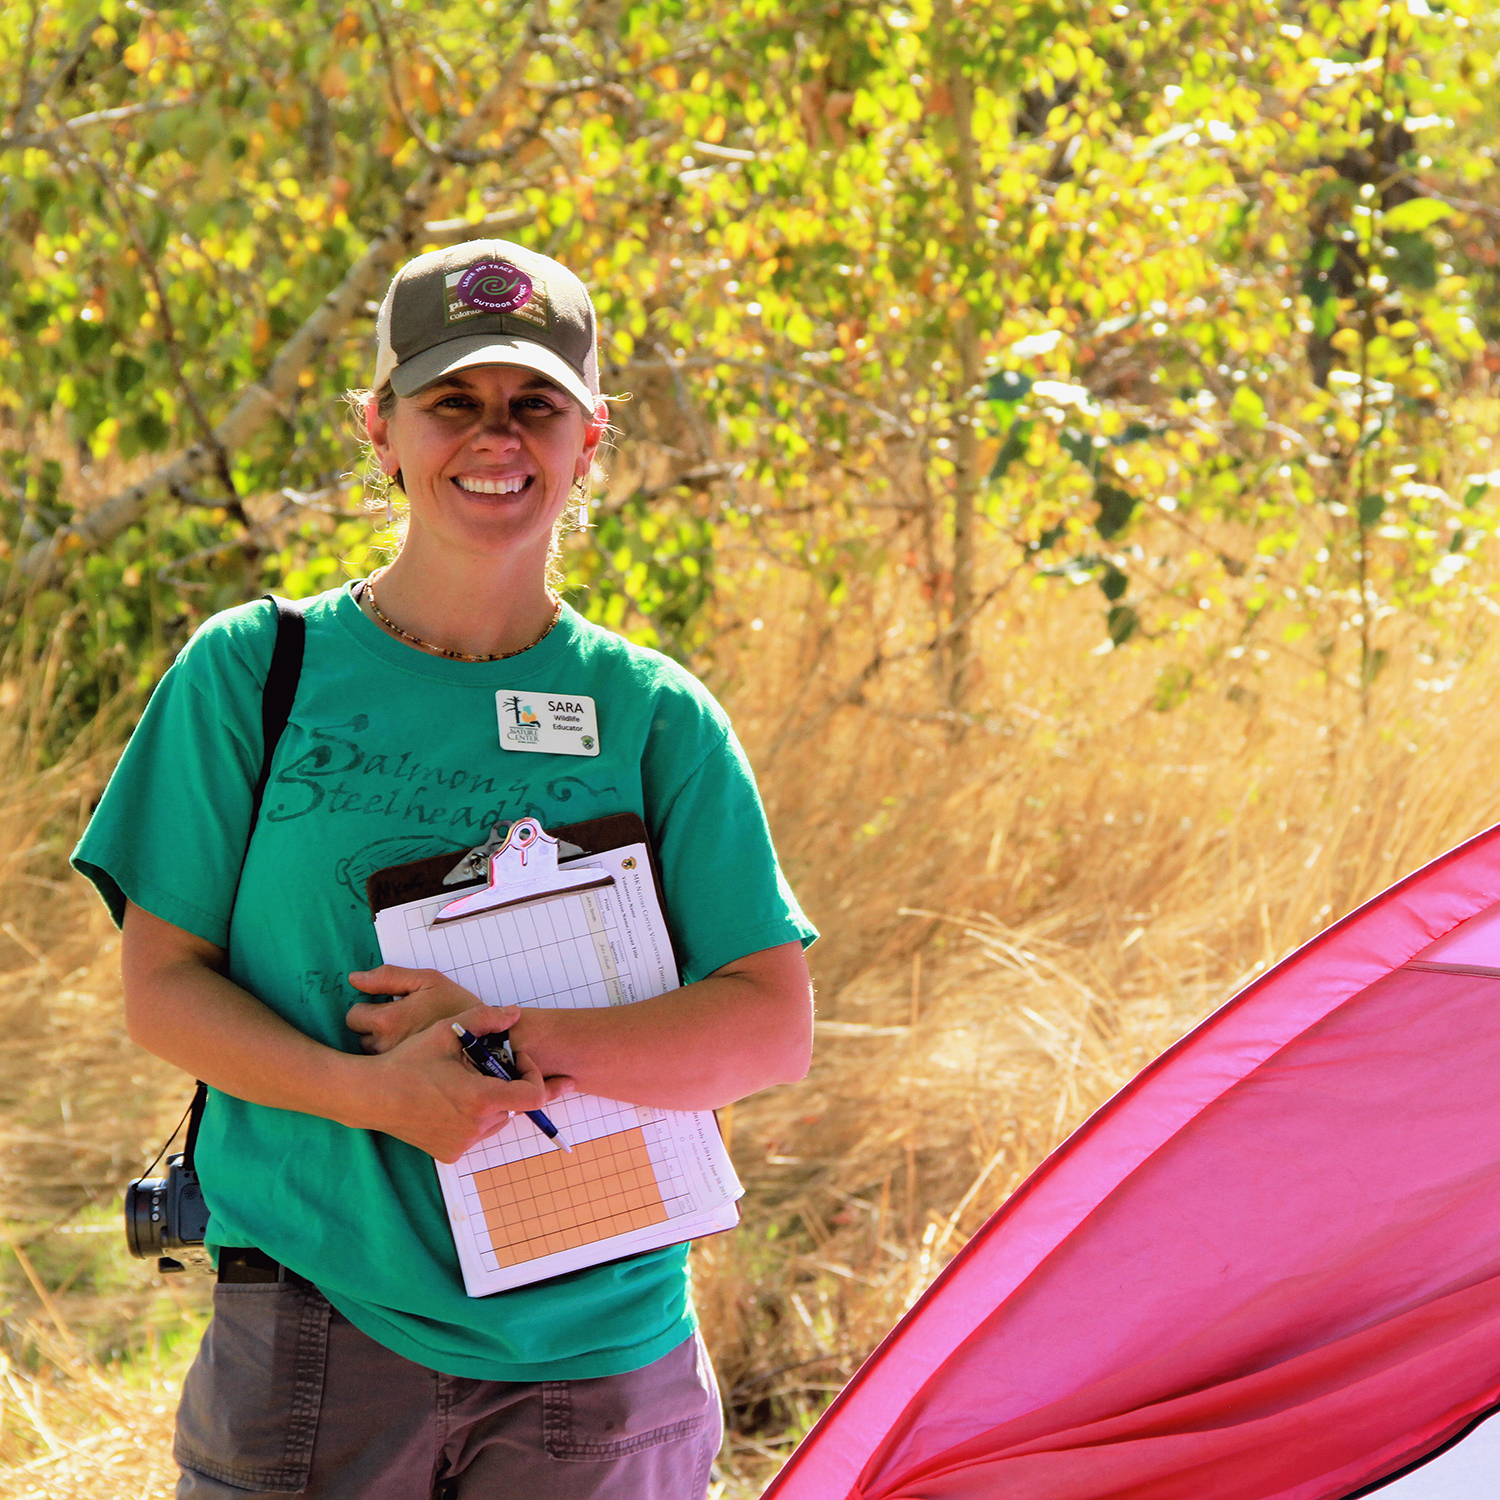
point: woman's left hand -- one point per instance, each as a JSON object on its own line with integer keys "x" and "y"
{"x": 419, "y": 998}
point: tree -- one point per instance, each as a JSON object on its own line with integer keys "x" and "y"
{"x": 929, "y": 302}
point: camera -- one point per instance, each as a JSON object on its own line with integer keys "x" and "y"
{"x": 165, "y": 1213}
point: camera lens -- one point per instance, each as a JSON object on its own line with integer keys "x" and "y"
{"x": 145, "y": 1211}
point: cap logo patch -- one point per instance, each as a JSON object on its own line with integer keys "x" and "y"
{"x": 494, "y": 286}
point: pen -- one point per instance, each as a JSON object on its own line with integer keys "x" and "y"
{"x": 479, "y": 1051}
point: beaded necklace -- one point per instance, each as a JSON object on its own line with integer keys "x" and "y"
{"x": 417, "y": 640}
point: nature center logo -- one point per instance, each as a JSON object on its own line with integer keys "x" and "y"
{"x": 527, "y": 727}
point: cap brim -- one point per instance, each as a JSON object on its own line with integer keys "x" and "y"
{"x": 411, "y": 375}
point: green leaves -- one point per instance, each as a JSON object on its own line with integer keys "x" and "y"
{"x": 1415, "y": 215}
{"x": 1008, "y": 282}
{"x": 1371, "y": 508}
{"x": 1116, "y": 506}
{"x": 1412, "y": 261}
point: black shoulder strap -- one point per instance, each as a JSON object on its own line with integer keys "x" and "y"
{"x": 277, "y": 695}
{"x": 279, "y": 692}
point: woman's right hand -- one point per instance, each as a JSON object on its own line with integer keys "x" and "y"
{"x": 425, "y": 1092}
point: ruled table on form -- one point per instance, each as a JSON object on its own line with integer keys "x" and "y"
{"x": 520, "y": 1208}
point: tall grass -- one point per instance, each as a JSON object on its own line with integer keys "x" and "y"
{"x": 1016, "y": 919}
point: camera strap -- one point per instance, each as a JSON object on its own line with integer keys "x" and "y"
{"x": 277, "y": 695}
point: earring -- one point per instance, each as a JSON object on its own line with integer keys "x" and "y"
{"x": 581, "y": 500}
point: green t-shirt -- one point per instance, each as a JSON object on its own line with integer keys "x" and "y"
{"x": 392, "y": 755}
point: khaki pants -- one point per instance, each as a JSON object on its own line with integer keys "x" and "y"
{"x": 286, "y": 1397}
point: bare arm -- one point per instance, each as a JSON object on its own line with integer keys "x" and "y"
{"x": 745, "y": 1027}
{"x": 179, "y": 1005}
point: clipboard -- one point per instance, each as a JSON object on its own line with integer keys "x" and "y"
{"x": 585, "y": 930}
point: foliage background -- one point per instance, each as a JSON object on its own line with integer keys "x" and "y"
{"x": 1063, "y": 432}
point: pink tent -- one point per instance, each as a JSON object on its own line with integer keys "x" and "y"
{"x": 1269, "y": 1267}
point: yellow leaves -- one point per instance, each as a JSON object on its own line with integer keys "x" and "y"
{"x": 713, "y": 132}
{"x": 393, "y": 137}
{"x": 1013, "y": 187}
{"x": 666, "y": 76}
{"x": 260, "y": 336}
{"x": 347, "y": 26}
{"x": 424, "y": 85}
{"x": 737, "y": 236}
{"x": 1247, "y": 408}
{"x": 285, "y": 114}
{"x": 50, "y": 335}
{"x": 700, "y": 81}
{"x": 333, "y": 83}
{"x": 137, "y": 56}
{"x": 799, "y": 330}
{"x": 154, "y": 41}
{"x": 1346, "y": 341}
{"x": 1063, "y": 61}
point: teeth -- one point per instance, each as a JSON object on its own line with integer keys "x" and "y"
{"x": 492, "y": 486}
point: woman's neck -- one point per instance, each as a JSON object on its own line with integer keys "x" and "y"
{"x": 479, "y": 606}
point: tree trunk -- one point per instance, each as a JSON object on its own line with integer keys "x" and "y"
{"x": 965, "y": 438}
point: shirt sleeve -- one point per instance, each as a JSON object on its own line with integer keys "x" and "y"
{"x": 169, "y": 833}
{"x": 726, "y": 894}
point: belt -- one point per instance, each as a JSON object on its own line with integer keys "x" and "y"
{"x": 245, "y": 1264}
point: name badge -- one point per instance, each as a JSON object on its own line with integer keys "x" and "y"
{"x": 550, "y": 723}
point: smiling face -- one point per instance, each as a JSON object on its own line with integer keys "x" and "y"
{"x": 488, "y": 457}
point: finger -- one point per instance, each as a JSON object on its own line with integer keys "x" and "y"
{"x": 551, "y": 1087}
{"x": 558, "y": 1085}
{"x": 517, "y": 1097}
{"x": 527, "y": 1065}
{"x": 389, "y": 979}
{"x": 363, "y": 1017}
{"x": 482, "y": 1020}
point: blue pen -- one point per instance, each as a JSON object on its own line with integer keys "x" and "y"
{"x": 481, "y": 1053}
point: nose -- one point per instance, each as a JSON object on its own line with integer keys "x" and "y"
{"x": 497, "y": 427}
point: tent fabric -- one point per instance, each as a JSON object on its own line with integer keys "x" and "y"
{"x": 1269, "y": 1267}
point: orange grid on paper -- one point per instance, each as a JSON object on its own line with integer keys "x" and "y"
{"x": 557, "y": 1202}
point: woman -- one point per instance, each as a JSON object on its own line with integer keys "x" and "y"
{"x": 344, "y": 1359}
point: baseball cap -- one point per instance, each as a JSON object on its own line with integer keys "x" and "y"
{"x": 487, "y": 302}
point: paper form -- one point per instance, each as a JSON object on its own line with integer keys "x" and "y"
{"x": 638, "y": 1178}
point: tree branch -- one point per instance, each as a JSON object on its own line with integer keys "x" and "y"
{"x": 31, "y": 98}
{"x": 46, "y": 140}
{"x": 449, "y": 151}
{"x": 170, "y": 342}
{"x": 270, "y": 395}
{"x": 779, "y": 372}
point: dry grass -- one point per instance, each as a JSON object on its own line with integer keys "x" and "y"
{"x": 1015, "y": 923}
